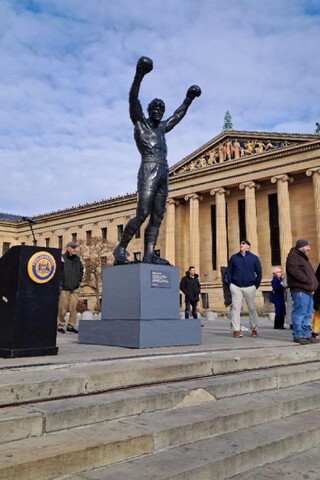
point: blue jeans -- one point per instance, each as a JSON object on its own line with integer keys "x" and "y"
{"x": 301, "y": 314}
{"x": 194, "y": 309}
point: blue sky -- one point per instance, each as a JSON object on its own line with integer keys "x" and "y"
{"x": 67, "y": 66}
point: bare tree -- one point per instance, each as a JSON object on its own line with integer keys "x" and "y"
{"x": 94, "y": 257}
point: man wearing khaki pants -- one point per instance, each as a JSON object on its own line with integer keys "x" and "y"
{"x": 71, "y": 276}
{"x": 244, "y": 277}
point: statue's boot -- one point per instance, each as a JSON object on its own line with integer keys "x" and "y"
{"x": 120, "y": 255}
{"x": 120, "y": 252}
{"x": 150, "y": 239}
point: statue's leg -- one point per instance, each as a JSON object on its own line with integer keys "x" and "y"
{"x": 144, "y": 203}
{"x": 152, "y": 230}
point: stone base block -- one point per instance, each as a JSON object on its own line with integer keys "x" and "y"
{"x": 140, "y": 333}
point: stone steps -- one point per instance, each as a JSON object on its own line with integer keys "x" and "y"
{"x": 46, "y": 382}
{"x": 154, "y": 436}
{"x": 301, "y": 466}
{"x": 37, "y": 419}
{"x": 220, "y": 457}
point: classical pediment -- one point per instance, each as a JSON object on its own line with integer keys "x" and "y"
{"x": 233, "y": 145}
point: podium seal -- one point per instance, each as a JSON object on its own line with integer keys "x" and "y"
{"x": 41, "y": 267}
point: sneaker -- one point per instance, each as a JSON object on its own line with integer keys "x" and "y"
{"x": 315, "y": 335}
{"x": 61, "y": 330}
{"x": 313, "y": 340}
{"x": 237, "y": 334}
{"x": 71, "y": 329}
{"x": 254, "y": 332}
{"x": 302, "y": 341}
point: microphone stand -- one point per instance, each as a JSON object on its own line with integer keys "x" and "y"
{"x": 30, "y": 223}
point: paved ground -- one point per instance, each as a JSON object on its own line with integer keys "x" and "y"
{"x": 216, "y": 336}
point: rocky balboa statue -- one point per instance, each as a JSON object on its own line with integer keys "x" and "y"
{"x": 149, "y": 134}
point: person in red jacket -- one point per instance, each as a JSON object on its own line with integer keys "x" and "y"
{"x": 302, "y": 282}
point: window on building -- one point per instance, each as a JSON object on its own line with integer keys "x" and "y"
{"x": 60, "y": 242}
{"x": 214, "y": 237}
{"x": 137, "y": 256}
{"x": 104, "y": 233}
{"x": 85, "y": 304}
{"x": 138, "y": 233}
{"x": 120, "y": 231}
{"x": 47, "y": 242}
{"x": 5, "y": 247}
{"x": 274, "y": 229}
{"x": 74, "y": 237}
{"x": 242, "y": 219}
{"x": 88, "y": 237}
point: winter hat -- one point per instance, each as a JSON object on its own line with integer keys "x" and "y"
{"x": 302, "y": 243}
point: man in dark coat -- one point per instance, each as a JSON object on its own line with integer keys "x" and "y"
{"x": 302, "y": 282}
{"x": 71, "y": 276}
{"x": 190, "y": 286}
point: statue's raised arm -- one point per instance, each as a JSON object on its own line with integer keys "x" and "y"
{"x": 144, "y": 66}
{"x": 149, "y": 134}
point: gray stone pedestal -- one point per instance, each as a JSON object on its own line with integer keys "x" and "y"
{"x": 140, "y": 309}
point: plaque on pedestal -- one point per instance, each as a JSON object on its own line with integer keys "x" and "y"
{"x": 140, "y": 309}
{"x": 29, "y": 291}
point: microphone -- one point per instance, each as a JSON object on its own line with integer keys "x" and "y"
{"x": 29, "y": 220}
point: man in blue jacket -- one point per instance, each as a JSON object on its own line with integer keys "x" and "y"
{"x": 244, "y": 277}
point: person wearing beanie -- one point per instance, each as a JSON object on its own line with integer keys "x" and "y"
{"x": 302, "y": 282}
{"x": 244, "y": 277}
{"x": 278, "y": 298}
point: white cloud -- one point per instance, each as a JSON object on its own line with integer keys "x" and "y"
{"x": 67, "y": 65}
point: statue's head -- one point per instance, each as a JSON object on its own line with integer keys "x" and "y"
{"x": 156, "y": 109}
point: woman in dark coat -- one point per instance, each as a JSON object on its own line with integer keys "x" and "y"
{"x": 278, "y": 298}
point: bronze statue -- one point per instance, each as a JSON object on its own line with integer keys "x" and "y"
{"x": 149, "y": 134}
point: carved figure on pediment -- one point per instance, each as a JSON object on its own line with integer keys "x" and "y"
{"x": 241, "y": 151}
{"x": 284, "y": 143}
{"x": 260, "y": 146}
{"x": 213, "y": 156}
{"x": 249, "y": 147}
{"x": 229, "y": 150}
{"x": 221, "y": 153}
{"x": 269, "y": 145}
{"x": 236, "y": 149}
{"x": 193, "y": 165}
{"x": 202, "y": 162}
{"x": 317, "y": 128}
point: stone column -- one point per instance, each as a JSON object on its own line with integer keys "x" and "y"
{"x": 194, "y": 230}
{"x": 315, "y": 173}
{"x": 221, "y": 227}
{"x": 251, "y": 214}
{"x": 170, "y": 250}
{"x": 282, "y": 182}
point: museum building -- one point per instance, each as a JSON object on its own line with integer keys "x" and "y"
{"x": 264, "y": 187}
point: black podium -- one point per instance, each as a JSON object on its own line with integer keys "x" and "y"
{"x": 29, "y": 291}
